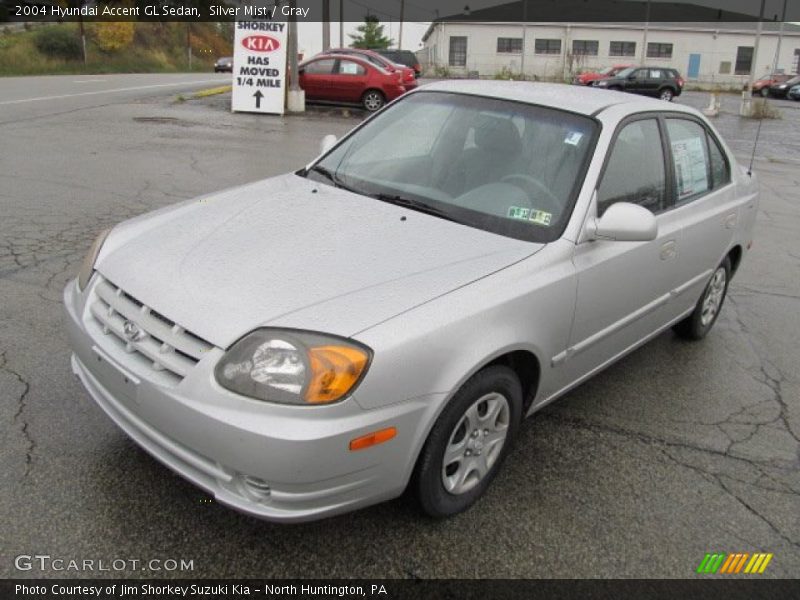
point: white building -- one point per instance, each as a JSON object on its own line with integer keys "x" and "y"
{"x": 717, "y": 53}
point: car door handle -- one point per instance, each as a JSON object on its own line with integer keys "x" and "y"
{"x": 730, "y": 221}
{"x": 668, "y": 250}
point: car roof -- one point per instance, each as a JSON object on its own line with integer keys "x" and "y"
{"x": 573, "y": 98}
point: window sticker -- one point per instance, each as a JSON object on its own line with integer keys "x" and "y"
{"x": 517, "y": 212}
{"x": 690, "y": 167}
{"x": 540, "y": 217}
{"x": 573, "y": 138}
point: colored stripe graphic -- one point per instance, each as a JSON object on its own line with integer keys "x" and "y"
{"x": 722, "y": 563}
{"x": 711, "y": 563}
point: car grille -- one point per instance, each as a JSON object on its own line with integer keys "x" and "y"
{"x": 137, "y": 328}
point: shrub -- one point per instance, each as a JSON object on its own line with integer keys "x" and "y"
{"x": 58, "y": 42}
{"x": 112, "y": 35}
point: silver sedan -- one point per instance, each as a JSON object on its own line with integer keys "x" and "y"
{"x": 383, "y": 318}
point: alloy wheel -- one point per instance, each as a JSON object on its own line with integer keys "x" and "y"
{"x": 714, "y": 295}
{"x": 476, "y": 443}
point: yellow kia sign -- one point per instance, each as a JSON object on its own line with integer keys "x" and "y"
{"x": 735, "y": 563}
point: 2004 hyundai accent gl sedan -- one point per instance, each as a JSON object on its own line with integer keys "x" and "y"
{"x": 383, "y": 318}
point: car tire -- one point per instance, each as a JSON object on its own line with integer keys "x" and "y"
{"x": 615, "y": 88}
{"x": 764, "y": 92}
{"x": 373, "y": 100}
{"x": 697, "y": 325}
{"x": 666, "y": 94}
{"x": 475, "y": 430}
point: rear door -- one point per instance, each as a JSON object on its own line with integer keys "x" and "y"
{"x": 349, "y": 80}
{"x": 706, "y": 204}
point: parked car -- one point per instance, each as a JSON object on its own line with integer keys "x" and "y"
{"x": 349, "y": 79}
{"x": 794, "y": 92}
{"x": 660, "y": 82}
{"x": 409, "y": 77}
{"x": 224, "y": 64}
{"x": 587, "y": 77}
{"x": 780, "y": 90}
{"x": 403, "y": 57}
{"x": 761, "y": 86}
{"x": 384, "y": 318}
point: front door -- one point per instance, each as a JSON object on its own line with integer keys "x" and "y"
{"x": 624, "y": 287}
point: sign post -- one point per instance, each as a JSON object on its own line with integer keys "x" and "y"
{"x": 259, "y": 67}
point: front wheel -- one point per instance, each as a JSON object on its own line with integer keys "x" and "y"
{"x": 666, "y": 94}
{"x": 373, "y": 100}
{"x": 468, "y": 442}
{"x": 697, "y": 325}
{"x": 764, "y": 92}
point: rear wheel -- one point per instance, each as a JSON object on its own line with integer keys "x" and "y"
{"x": 706, "y": 311}
{"x": 666, "y": 94}
{"x": 468, "y": 442}
{"x": 373, "y": 100}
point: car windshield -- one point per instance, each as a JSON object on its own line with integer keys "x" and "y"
{"x": 510, "y": 168}
{"x": 794, "y": 80}
{"x": 625, "y": 72}
{"x": 605, "y": 71}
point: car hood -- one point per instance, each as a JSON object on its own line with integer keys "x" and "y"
{"x": 292, "y": 253}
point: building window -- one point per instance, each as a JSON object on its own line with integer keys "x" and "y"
{"x": 545, "y": 46}
{"x": 725, "y": 67}
{"x": 509, "y": 45}
{"x": 585, "y": 47}
{"x": 622, "y": 49}
{"x": 744, "y": 60}
{"x": 458, "y": 51}
{"x": 659, "y": 50}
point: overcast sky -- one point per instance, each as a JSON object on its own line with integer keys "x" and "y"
{"x": 310, "y": 34}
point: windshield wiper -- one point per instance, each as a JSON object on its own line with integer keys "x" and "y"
{"x": 416, "y": 205}
{"x": 333, "y": 178}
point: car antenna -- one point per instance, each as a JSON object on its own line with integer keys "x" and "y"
{"x": 755, "y": 144}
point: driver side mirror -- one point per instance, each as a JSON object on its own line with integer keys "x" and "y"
{"x": 327, "y": 143}
{"x": 625, "y": 222}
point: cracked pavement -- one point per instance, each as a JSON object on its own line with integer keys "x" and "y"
{"x": 677, "y": 450}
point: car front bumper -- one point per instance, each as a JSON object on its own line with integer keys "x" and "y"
{"x": 280, "y": 463}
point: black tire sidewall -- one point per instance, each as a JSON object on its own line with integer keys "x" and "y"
{"x": 364, "y": 100}
{"x": 698, "y": 330}
{"x": 434, "y": 499}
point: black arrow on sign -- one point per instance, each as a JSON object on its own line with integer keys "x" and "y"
{"x": 258, "y": 96}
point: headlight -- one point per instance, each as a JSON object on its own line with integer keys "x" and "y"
{"x": 87, "y": 266}
{"x": 292, "y": 367}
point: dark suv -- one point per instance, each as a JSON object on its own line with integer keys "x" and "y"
{"x": 404, "y": 57}
{"x": 661, "y": 82}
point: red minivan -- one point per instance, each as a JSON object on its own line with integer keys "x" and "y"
{"x": 349, "y": 79}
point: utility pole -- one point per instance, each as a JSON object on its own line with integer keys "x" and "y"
{"x": 746, "y": 108}
{"x": 646, "y": 27}
{"x": 780, "y": 39}
{"x": 83, "y": 32}
{"x": 189, "y": 43}
{"x": 341, "y": 23}
{"x": 400, "y": 35}
{"x": 326, "y": 25}
{"x": 296, "y": 100}
{"x": 524, "y": 30}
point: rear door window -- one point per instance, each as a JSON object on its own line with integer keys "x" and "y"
{"x": 690, "y": 158}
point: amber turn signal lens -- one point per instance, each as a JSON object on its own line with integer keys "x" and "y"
{"x": 334, "y": 371}
{"x": 373, "y": 439}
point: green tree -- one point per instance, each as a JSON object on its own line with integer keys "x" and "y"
{"x": 370, "y": 35}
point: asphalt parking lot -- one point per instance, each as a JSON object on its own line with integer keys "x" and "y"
{"x": 677, "y": 450}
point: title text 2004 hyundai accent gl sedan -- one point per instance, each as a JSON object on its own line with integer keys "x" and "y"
{"x": 320, "y": 341}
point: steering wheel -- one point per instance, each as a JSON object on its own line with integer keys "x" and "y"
{"x": 541, "y": 191}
